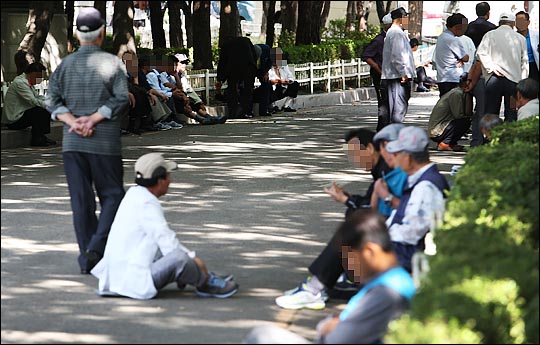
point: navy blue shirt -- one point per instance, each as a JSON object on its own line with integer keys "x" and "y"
{"x": 374, "y": 49}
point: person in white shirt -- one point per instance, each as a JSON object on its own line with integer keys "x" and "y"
{"x": 503, "y": 54}
{"x": 143, "y": 254}
{"x": 283, "y": 83}
{"x": 421, "y": 207}
{"x": 398, "y": 68}
{"x": 450, "y": 55}
{"x": 527, "y": 98}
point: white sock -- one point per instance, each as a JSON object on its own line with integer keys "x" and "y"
{"x": 314, "y": 285}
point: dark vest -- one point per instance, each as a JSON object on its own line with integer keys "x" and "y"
{"x": 405, "y": 251}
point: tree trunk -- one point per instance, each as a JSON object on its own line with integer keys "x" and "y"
{"x": 70, "y": 13}
{"x": 265, "y": 7}
{"x": 309, "y": 23}
{"x": 367, "y": 10}
{"x": 123, "y": 33}
{"x": 188, "y": 16}
{"x": 325, "y": 12}
{"x": 289, "y": 15}
{"x": 229, "y": 21}
{"x": 101, "y": 6}
{"x": 360, "y": 12}
{"x": 350, "y": 17}
{"x": 176, "y": 35}
{"x": 202, "y": 45}
{"x": 415, "y": 19}
{"x": 40, "y": 16}
{"x": 270, "y": 21}
{"x": 156, "y": 21}
{"x": 381, "y": 12}
{"x": 388, "y": 7}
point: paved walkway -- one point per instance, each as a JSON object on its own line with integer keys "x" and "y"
{"x": 247, "y": 197}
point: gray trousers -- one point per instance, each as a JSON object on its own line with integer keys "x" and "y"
{"x": 270, "y": 334}
{"x": 177, "y": 267}
{"x": 479, "y": 93}
{"x": 398, "y": 99}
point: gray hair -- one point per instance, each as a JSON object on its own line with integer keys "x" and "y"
{"x": 528, "y": 88}
{"x": 507, "y": 22}
{"x": 489, "y": 121}
{"x": 90, "y": 36}
{"x": 420, "y": 157}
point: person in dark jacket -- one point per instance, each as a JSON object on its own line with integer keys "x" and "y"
{"x": 237, "y": 65}
{"x": 478, "y": 27}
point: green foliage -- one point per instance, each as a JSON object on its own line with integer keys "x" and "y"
{"x": 162, "y": 51}
{"x": 336, "y": 30}
{"x": 331, "y": 50}
{"x": 484, "y": 279}
{"x": 286, "y": 39}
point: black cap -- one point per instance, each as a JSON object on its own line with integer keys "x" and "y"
{"x": 89, "y": 19}
{"x": 399, "y": 13}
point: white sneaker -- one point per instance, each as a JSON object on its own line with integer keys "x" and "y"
{"x": 301, "y": 298}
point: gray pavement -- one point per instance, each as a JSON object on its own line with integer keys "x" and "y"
{"x": 247, "y": 197}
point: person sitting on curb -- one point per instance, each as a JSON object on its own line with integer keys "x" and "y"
{"x": 24, "y": 108}
{"x": 421, "y": 206}
{"x": 140, "y": 233}
{"x": 283, "y": 83}
{"x": 386, "y": 294}
{"x": 195, "y": 102}
{"x": 327, "y": 269}
{"x": 450, "y": 118}
{"x": 527, "y": 98}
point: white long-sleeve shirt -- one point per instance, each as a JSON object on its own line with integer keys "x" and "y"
{"x": 398, "y": 59}
{"x": 424, "y": 210}
{"x": 504, "y": 50}
{"x": 138, "y": 234}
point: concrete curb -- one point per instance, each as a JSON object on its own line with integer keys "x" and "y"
{"x": 21, "y": 138}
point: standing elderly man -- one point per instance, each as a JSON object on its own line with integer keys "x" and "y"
{"x": 450, "y": 55}
{"x": 532, "y": 37}
{"x": 421, "y": 205}
{"x": 88, "y": 91}
{"x": 503, "y": 54}
{"x": 373, "y": 56}
{"x": 398, "y": 69}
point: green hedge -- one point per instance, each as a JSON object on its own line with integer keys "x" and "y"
{"x": 484, "y": 282}
{"x": 331, "y": 50}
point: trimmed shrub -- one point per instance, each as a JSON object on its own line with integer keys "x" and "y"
{"x": 484, "y": 281}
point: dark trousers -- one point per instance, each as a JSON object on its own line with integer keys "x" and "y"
{"x": 83, "y": 171}
{"x": 38, "y": 118}
{"x": 479, "y": 93}
{"x": 280, "y": 92}
{"x": 445, "y": 87}
{"x": 398, "y": 99}
{"x": 264, "y": 94}
{"x": 382, "y": 99}
{"x": 328, "y": 266}
{"x": 454, "y": 131}
{"x": 533, "y": 71}
{"x": 240, "y": 88}
{"x": 497, "y": 88}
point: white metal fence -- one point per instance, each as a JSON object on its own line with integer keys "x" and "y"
{"x": 324, "y": 75}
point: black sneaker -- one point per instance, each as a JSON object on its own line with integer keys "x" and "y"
{"x": 217, "y": 287}
{"x": 289, "y": 110}
{"x": 92, "y": 258}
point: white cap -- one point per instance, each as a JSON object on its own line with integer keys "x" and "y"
{"x": 387, "y": 19}
{"x": 507, "y": 17}
{"x": 148, "y": 163}
{"x": 411, "y": 139}
{"x": 181, "y": 57}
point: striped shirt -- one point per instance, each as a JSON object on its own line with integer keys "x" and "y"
{"x": 88, "y": 81}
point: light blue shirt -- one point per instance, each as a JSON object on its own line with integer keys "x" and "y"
{"x": 448, "y": 51}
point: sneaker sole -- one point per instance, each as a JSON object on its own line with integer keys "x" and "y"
{"x": 205, "y": 294}
{"x": 312, "y": 306}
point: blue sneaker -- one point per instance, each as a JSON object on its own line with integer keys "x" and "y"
{"x": 217, "y": 287}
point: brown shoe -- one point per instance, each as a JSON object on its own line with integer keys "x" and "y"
{"x": 446, "y": 147}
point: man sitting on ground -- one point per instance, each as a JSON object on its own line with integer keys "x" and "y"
{"x": 140, "y": 233}
{"x": 194, "y": 101}
{"x": 451, "y": 117}
{"x": 283, "y": 83}
{"x": 527, "y": 98}
{"x": 368, "y": 253}
{"x": 24, "y": 108}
